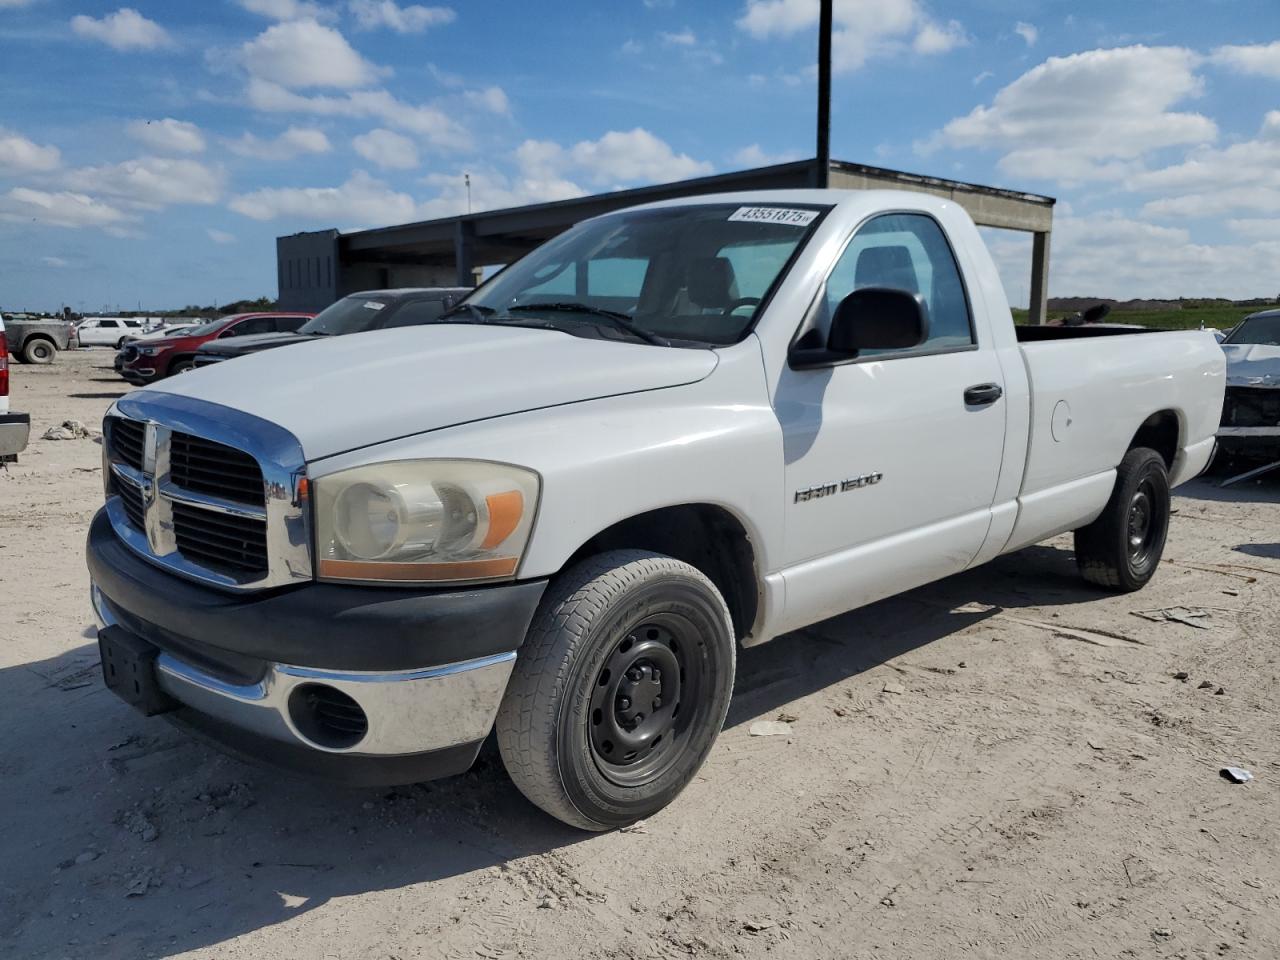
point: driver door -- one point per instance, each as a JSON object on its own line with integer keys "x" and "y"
{"x": 890, "y": 473}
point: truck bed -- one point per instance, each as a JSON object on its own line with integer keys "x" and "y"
{"x": 1035, "y": 334}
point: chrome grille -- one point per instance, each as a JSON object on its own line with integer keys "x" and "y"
{"x": 217, "y": 500}
{"x": 214, "y": 468}
{"x": 135, "y": 507}
{"x": 128, "y": 438}
{"x": 219, "y": 540}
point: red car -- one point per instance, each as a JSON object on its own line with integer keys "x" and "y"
{"x": 146, "y": 361}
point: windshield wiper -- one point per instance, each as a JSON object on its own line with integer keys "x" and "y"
{"x": 619, "y": 321}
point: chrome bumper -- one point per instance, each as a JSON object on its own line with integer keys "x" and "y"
{"x": 408, "y": 711}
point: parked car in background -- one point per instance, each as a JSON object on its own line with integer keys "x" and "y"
{"x": 555, "y": 514}
{"x": 144, "y": 362}
{"x": 109, "y": 331}
{"x": 357, "y": 313}
{"x": 1251, "y": 412}
{"x": 15, "y": 428}
{"x": 158, "y": 334}
{"x": 38, "y": 341}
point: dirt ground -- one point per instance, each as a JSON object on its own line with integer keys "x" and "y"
{"x": 999, "y": 765}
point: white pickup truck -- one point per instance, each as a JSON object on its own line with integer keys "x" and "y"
{"x": 556, "y": 513}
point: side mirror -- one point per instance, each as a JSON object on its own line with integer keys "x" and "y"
{"x": 878, "y": 318}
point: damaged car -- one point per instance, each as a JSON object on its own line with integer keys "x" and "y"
{"x": 1251, "y": 411}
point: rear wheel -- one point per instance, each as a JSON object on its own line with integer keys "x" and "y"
{"x": 620, "y": 689}
{"x": 39, "y": 350}
{"x": 1122, "y": 548}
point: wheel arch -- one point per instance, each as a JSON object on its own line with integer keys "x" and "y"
{"x": 1161, "y": 432}
{"x": 704, "y": 535}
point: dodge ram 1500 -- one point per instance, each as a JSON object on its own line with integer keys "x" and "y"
{"x": 555, "y": 513}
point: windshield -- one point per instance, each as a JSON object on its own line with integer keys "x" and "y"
{"x": 695, "y": 273}
{"x": 204, "y": 329}
{"x": 1264, "y": 329}
{"x": 348, "y": 315}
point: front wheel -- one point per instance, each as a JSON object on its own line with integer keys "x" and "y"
{"x": 1122, "y": 548}
{"x": 185, "y": 365}
{"x": 620, "y": 689}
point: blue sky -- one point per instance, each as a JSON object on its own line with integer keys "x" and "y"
{"x": 152, "y": 153}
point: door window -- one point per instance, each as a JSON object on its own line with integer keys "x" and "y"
{"x": 248, "y": 327}
{"x": 287, "y": 324}
{"x": 907, "y": 252}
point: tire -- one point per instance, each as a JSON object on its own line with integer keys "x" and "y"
{"x": 623, "y": 622}
{"x": 39, "y": 350}
{"x": 1122, "y": 548}
{"x": 121, "y": 342}
{"x": 181, "y": 365}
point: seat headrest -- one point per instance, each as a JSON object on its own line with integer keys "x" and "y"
{"x": 711, "y": 281}
{"x": 886, "y": 267}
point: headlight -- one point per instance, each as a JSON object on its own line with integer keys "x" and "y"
{"x": 424, "y": 521}
{"x": 148, "y": 351}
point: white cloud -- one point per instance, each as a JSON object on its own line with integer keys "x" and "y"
{"x": 220, "y": 237}
{"x": 372, "y": 14}
{"x": 862, "y": 28}
{"x": 1029, "y": 33}
{"x": 684, "y": 38}
{"x": 15, "y": 4}
{"x": 983, "y": 77}
{"x": 167, "y": 135}
{"x": 633, "y": 156}
{"x": 304, "y": 53}
{"x": 126, "y": 29}
{"x": 939, "y": 37}
{"x": 1089, "y": 116}
{"x": 294, "y": 142}
{"x": 387, "y": 149}
{"x": 287, "y": 9}
{"x": 61, "y": 209}
{"x": 755, "y": 156}
{"x": 492, "y": 99}
{"x": 151, "y": 182}
{"x": 361, "y": 201}
{"x": 492, "y": 190}
{"x": 20, "y": 155}
{"x": 1256, "y": 229}
{"x": 430, "y": 122}
{"x": 1259, "y": 59}
{"x": 56, "y": 262}
{"x": 1242, "y": 178}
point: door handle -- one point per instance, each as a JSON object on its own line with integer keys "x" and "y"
{"x": 983, "y": 394}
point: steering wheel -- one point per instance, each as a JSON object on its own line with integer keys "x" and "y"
{"x": 740, "y": 302}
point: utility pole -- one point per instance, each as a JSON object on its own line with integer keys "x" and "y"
{"x": 824, "y": 94}
{"x": 466, "y": 177}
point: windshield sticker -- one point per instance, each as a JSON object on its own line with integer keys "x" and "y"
{"x": 373, "y": 305}
{"x": 794, "y": 218}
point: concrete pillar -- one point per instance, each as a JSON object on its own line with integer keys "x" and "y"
{"x": 1039, "y": 277}
{"x": 464, "y": 235}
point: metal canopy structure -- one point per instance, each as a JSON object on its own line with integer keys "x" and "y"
{"x": 317, "y": 268}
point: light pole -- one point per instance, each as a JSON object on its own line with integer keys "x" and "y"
{"x": 824, "y": 94}
{"x": 466, "y": 178}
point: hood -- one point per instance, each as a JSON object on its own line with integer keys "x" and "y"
{"x": 1252, "y": 365}
{"x": 340, "y": 393}
{"x": 236, "y": 346}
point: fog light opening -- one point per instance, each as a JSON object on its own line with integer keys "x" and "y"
{"x": 326, "y": 716}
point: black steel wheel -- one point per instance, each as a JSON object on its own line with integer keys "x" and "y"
{"x": 620, "y": 689}
{"x": 1121, "y": 549}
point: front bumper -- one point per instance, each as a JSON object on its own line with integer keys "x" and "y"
{"x": 15, "y": 431}
{"x": 138, "y": 376}
{"x": 426, "y": 672}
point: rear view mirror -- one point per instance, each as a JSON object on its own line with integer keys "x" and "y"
{"x": 878, "y": 318}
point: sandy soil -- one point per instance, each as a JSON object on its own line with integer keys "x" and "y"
{"x": 1039, "y": 787}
